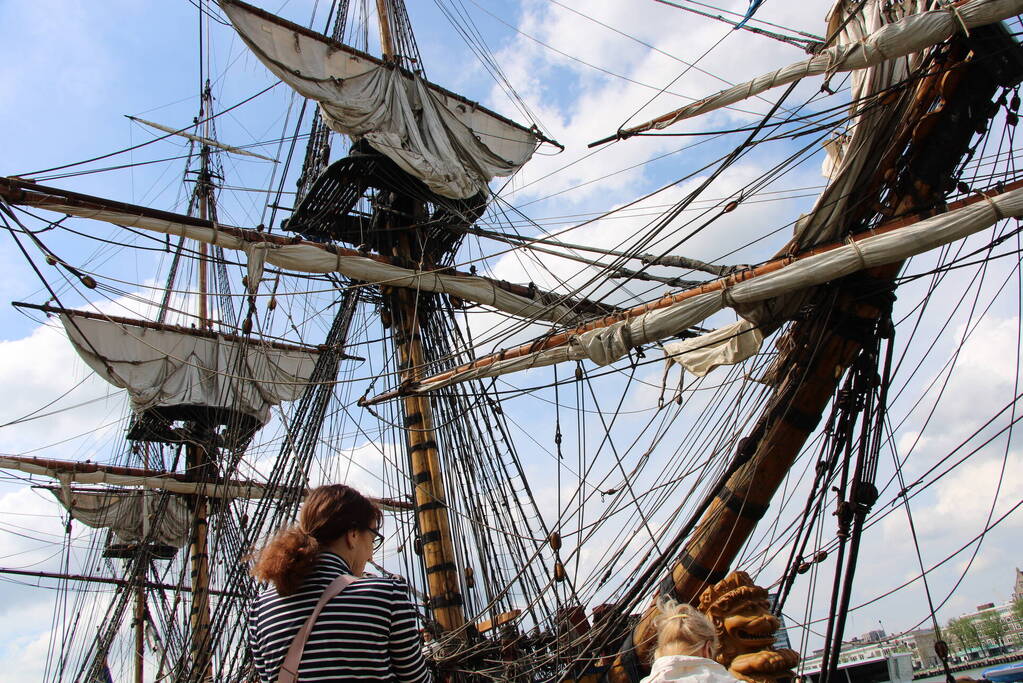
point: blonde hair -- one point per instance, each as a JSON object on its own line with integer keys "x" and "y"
{"x": 683, "y": 630}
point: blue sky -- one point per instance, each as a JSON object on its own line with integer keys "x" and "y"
{"x": 71, "y": 71}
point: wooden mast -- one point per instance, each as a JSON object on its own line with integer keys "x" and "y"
{"x": 386, "y": 37}
{"x": 198, "y": 463}
{"x": 445, "y": 598}
{"x": 140, "y": 632}
{"x": 435, "y": 542}
{"x": 140, "y": 591}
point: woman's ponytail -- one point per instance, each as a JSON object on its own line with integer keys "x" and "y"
{"x": 328, "y": 513}
{"x": 287, "y": 559}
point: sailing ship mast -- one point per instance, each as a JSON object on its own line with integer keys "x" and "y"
{"x": 822, "y": 347}
{"x": 401, "y": 225}
{"x": 406, "y": 308}
{"x": 201, "y": 451}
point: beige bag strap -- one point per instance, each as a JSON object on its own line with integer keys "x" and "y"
{"x": 289, "y": 669}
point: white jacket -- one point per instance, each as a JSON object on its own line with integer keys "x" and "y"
{"x": 689, "y": 669}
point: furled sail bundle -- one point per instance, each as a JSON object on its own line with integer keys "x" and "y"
{"x": 299, "y": 255}
{"x": 882, "y": 44}
{"x": 898, "y": 39}
{"x": 453, "y": 145}
{"x": 165, "y": 368}
{"x": 604, "y": 342}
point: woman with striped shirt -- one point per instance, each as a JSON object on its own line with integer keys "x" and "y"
{"x": 367, "y": 633}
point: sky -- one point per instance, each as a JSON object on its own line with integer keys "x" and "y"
{"x": 72, "y": 71}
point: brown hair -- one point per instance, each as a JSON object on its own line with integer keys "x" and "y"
{"x": 328, "y": 513}
{"x": 683, "y": 630}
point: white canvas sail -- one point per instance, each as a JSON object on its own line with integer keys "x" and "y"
{"x": 311, "y": 257}
{"x": 912, "y": 34}
{"x": 162, "y": 368}
{"x": 73, "y": 472}
{"x": 133, "y": 516}
{"x": 853, "y": 156}
{"x": 454, "y": 146}
{"x": 605, "y": 345}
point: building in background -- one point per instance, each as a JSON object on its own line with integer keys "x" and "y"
{"x": 989, "y": 631}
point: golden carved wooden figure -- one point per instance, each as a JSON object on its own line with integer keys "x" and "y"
{"x": 741, "y": 613}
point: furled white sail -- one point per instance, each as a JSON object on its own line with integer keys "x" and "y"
{"x": 73, "y": 472}
{"x": 313, "y": 257}
{"x": 605, "y": 345}
{"x": 162, "y": 368}
{"x": 912, "y": 34}
{"x": 454, "y": 146}
{"x": 853, "y": 157}
{"x": 133, "y": 516}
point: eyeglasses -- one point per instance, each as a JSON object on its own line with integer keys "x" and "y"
{"x": 378, "y": 539}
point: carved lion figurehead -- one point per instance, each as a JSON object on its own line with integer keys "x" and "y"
{"x": 741, "y": 612}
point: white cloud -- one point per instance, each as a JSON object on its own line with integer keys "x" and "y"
{"x": 964, "y": 498}
{"x": 50, "y": 378}
{"x": 581, "y": 104}
{"x": 27, "y": 642}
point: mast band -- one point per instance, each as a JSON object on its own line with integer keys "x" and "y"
{"x": 442, "y": 567}
{"x": 627, "y": 657}
{"x": 413, "y": 419}
{"x": 423, "y": 446}
{"x": 667, "y": 588}
{"x": 422, "y": 477}
{"x": 432, "y": 505}
{"x": 698, "y": 571}
{"x": 859, "y": 330}
{"x": 429, "y": 537}
{"x": 401, "y": 339}
{"x": 799, "y": 419}
{"x": 446, "y": 600}
{"x": 741, "y": 506}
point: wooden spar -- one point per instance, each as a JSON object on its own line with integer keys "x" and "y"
{"x": 562, "y": 338}
{"x": 140, "y": 633}
{"x": 175, "y": 482}
{"x": 830, "y": 60}
{"x": 198, "y": 138}
{"x": 180, "y": 329}
{"x": 140, "y": 590}
{"x": 24, "y": 193}
{"x": 777, "y": 438}
{"x": 386, "y": 38}
{"x": 153, "y": 585}
{"x": 204, "y": 321}
{"x": 200, "y": 459}
{"x": 435, "y": 542}
{"x": 443, "y": 589}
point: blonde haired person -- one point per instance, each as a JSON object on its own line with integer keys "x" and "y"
{"x": 686, "y": 643}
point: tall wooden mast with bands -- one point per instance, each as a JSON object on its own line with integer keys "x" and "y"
{"x": 406, "y": 310}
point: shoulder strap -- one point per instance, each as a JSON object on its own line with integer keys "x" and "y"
{"x": 289, "y": 668}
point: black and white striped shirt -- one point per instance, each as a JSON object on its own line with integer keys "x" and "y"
{"x": 367, "y": 633}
